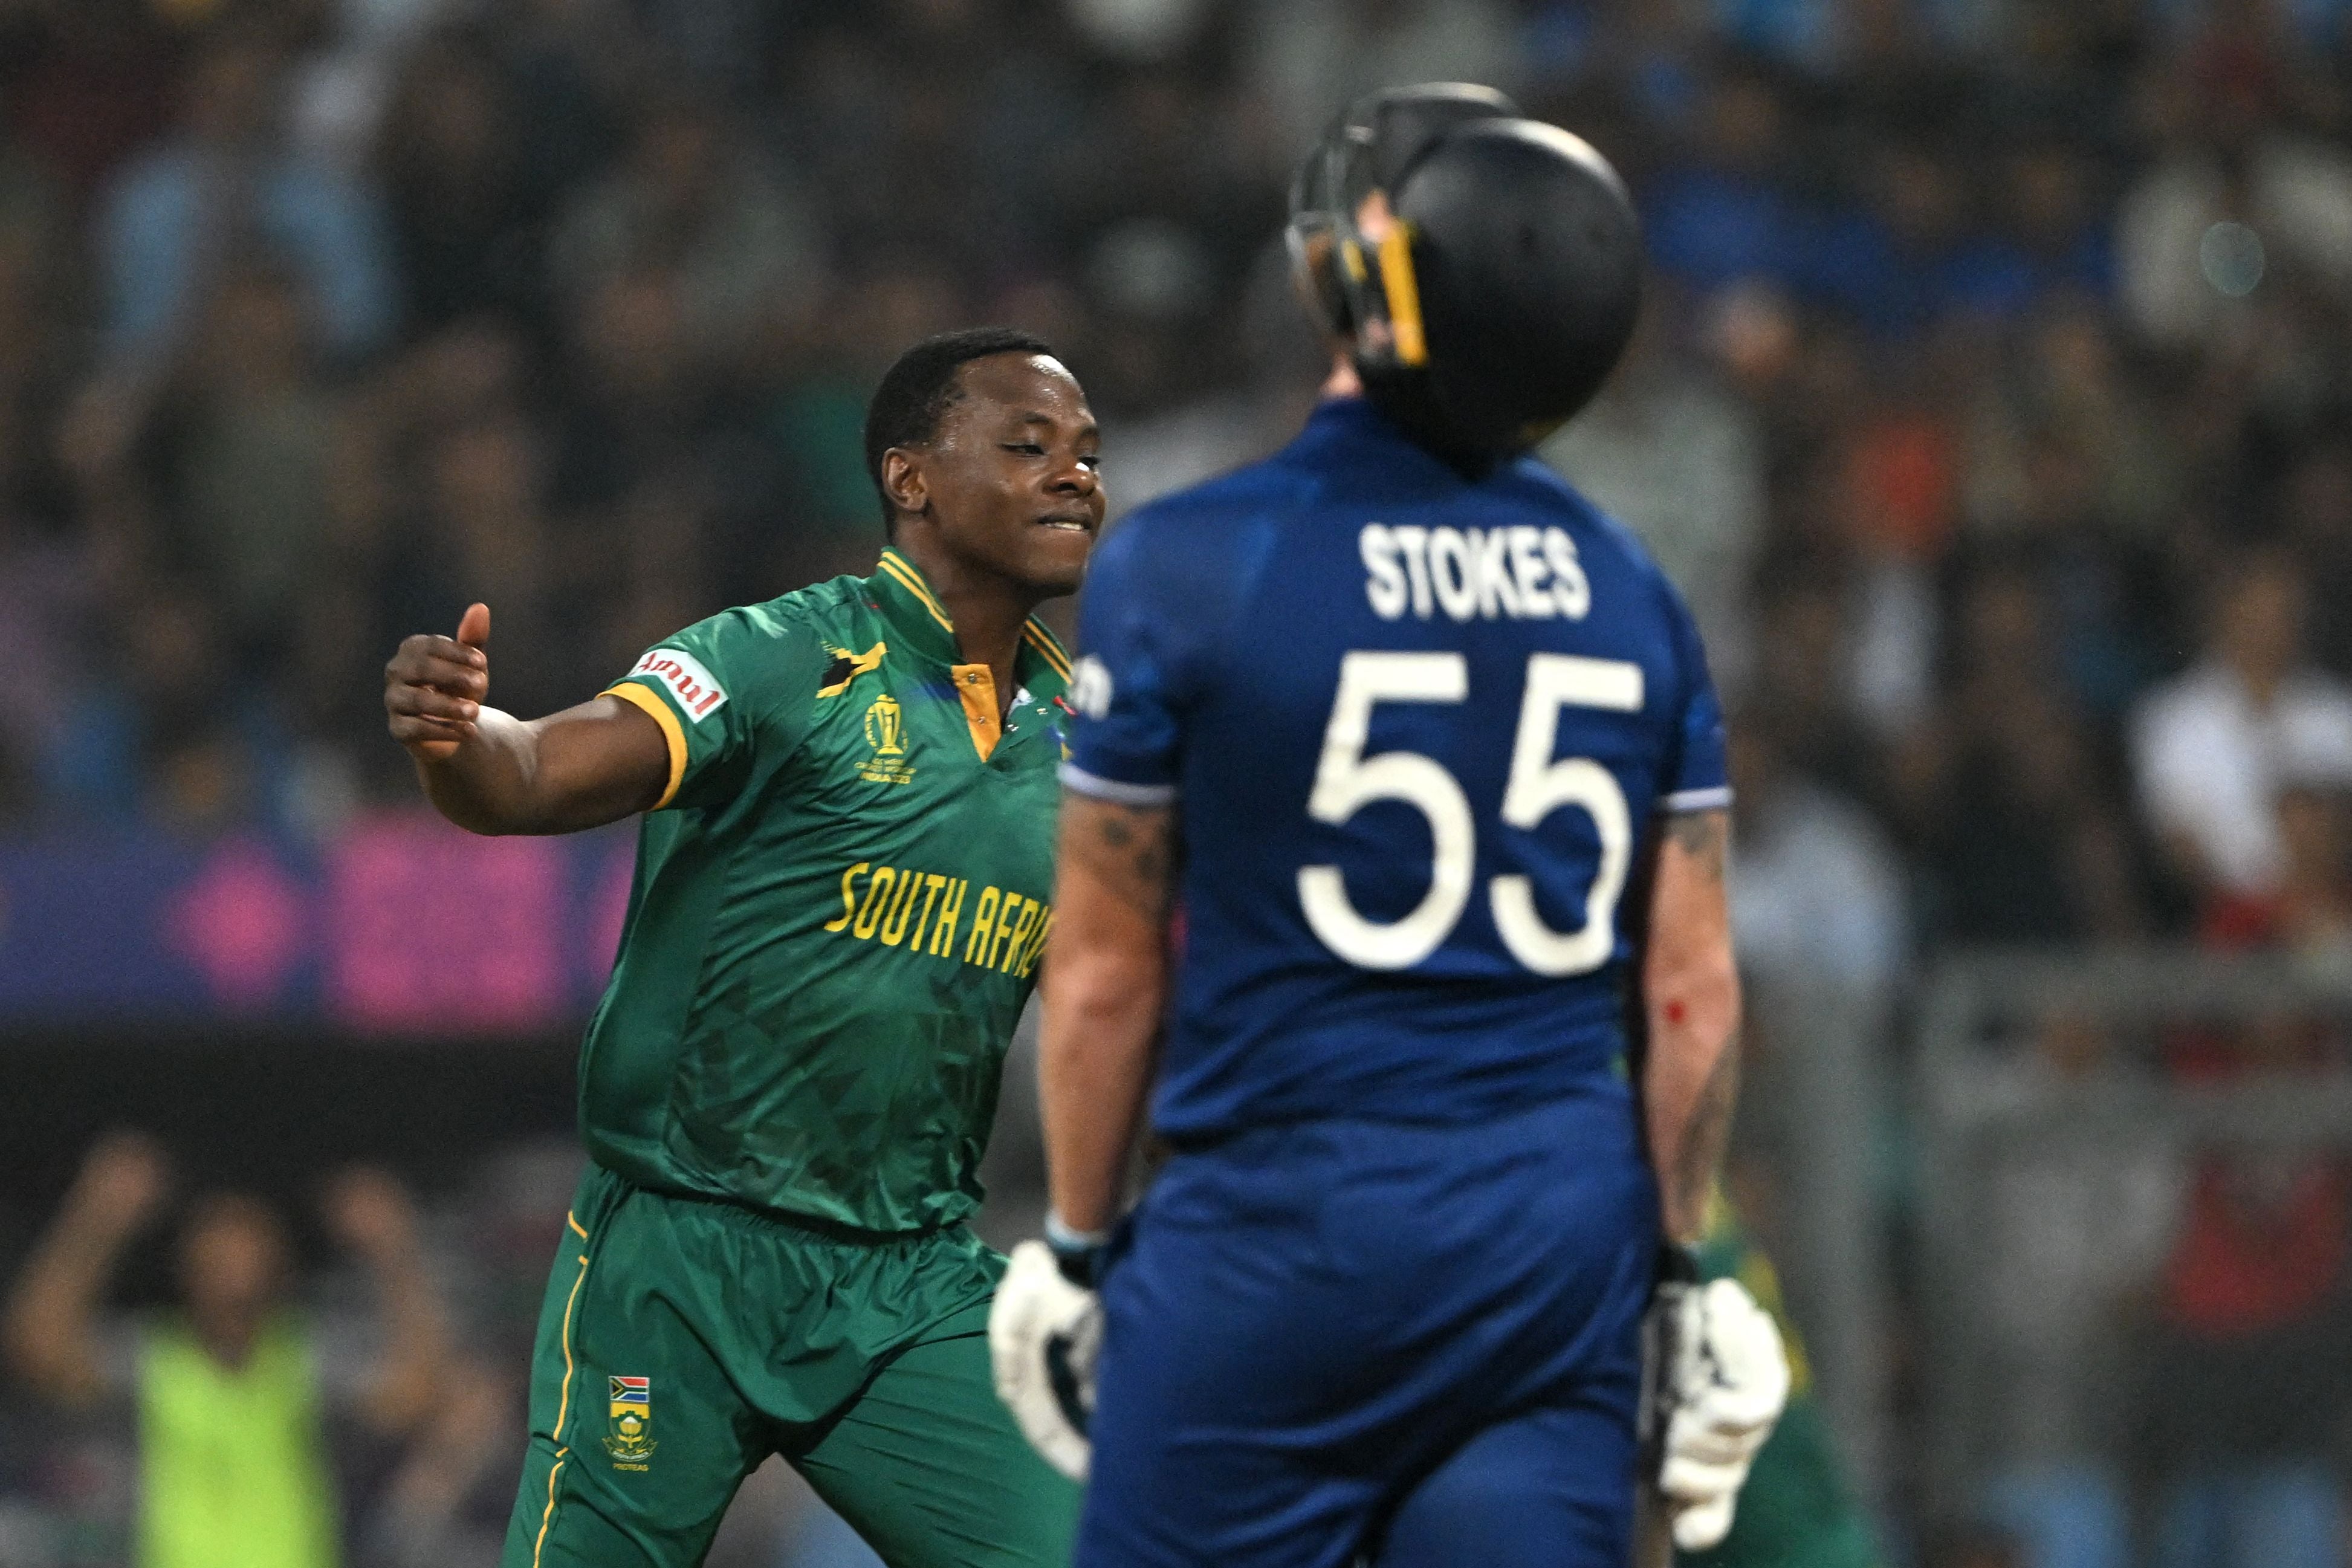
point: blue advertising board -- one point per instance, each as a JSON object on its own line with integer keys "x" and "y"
{"x": 401, "y": 925}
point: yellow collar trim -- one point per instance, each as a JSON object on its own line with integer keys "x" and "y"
{"x": 906, "y": 577}
{"x": 1048, "y": 648}
{"x": 1033, "y": 631}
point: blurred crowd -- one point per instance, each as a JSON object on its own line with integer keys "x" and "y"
{"x": 1989, "y": 407}
{"x": 253, "y": 1411}
{"x": 206, "y": 1377}
{"x": 1992, "y": 405}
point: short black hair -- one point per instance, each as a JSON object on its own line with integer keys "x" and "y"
{"x": 916, "y": 391}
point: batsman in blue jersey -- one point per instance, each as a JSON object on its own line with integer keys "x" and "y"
{"x": 1425, "y": 748}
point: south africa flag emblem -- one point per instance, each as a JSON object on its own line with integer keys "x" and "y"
{"x": 630, "y": 1437}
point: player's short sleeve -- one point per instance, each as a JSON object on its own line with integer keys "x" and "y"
{"x": 714, "y": 690}
{"x": 1698, "y": 776}
{"x": 1127, "y": 687}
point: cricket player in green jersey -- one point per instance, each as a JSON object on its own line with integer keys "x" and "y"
{"x": 1796, "y": 1510}
{"x": 842, "y": 891}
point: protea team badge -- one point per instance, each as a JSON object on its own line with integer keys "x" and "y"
{"x": 630, "y": 1439}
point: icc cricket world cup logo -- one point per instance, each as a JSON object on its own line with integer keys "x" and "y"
{"x": 885, "y": 727}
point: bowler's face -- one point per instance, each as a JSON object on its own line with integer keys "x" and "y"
{"x": 1013, "y": 472}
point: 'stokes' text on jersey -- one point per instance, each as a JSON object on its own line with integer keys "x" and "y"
{"x": 1419, "y": 730}
{"x": 839, "y": 908}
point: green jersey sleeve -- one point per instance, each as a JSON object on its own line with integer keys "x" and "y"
{"x": 725, "y": 691}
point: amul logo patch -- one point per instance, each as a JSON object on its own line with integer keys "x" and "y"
{"x": 691, "y": 684}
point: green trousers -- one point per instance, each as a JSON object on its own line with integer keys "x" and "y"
{"x": 682, "y": 1342}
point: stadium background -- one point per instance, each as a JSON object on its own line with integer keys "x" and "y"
{"x": 1991, "y": 406}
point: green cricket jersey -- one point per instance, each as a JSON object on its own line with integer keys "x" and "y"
{"x": 839, "y": 907}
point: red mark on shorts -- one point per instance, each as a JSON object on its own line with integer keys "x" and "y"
{"x": 1675, "y": 1012}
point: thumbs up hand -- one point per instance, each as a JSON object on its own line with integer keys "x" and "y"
{"x": 434, "y": 686}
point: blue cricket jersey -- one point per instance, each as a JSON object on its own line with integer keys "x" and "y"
{"x": 1418, "y": 730}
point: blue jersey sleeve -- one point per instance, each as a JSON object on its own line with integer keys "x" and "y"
{"x": 1697, "y": 777}
{"x": 1127, "y": 688}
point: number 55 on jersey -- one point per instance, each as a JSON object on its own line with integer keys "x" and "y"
{"x": 1447, "y": 747}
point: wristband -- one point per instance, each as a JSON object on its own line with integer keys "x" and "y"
{"x": 1061, "y": 1238}
{"x": 1075, "y": 1251}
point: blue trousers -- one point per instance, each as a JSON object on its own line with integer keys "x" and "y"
{"x": 1415, "y": 1345}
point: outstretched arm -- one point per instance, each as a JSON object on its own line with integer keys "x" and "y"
{"x": 369, "y": 1212}
{"x": 489, "y": 772}
{"x": 1690, "y": 999}
{"x": 1106, "y": 988}
{"x": 52, "y": 1312}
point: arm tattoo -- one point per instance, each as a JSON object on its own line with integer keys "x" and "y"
{"x": 1132, "y": 849}
{"x": 1700, "y": 1156}
{"x": 1704, "y": 836}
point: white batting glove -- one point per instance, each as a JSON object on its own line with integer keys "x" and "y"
{"x": 1726, "y": 1386}
{"x": 1044, "y": 1338}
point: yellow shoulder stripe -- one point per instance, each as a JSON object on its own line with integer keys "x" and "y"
{"x": 637, "y": 695}
{"x": 859, "y": 663}
{"x": 908, "y": 578}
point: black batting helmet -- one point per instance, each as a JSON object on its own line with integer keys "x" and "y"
{"x": 1483, "y": 270}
